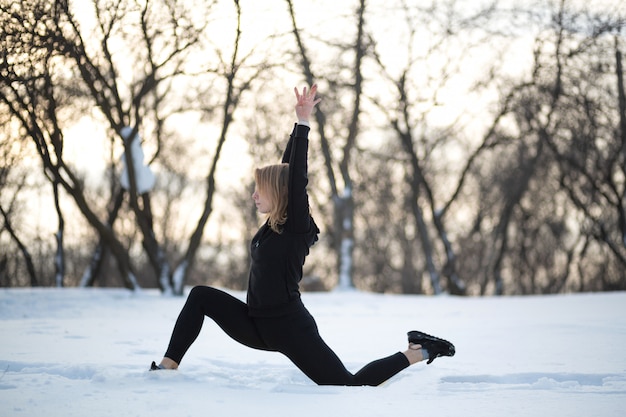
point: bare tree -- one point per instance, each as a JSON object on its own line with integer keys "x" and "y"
{"x": 342, "y": 230}
{"x": 415, "y": 96}
{"x": 237, "y": 82}
{"x": 586, "y": 139}
{"x": 557, "y": 164}
{"x": 27, "y": 90}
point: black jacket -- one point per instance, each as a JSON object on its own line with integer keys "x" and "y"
{"x": 277, "y": 259}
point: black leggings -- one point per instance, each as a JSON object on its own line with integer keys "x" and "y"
{"x": 295, "y": 335}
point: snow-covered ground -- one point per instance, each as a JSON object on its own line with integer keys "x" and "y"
{"x": 85, "y": 352}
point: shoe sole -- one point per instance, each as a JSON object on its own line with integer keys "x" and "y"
{"x": 439, "y": 347}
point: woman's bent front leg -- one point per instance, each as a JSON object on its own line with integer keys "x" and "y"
{"x": 230, "y": 313}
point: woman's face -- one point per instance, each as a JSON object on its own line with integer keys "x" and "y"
{"x": 263, "y": 203}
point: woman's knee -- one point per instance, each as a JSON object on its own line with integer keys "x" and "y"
{"x": 199, "y": 298}
{"x": 196, "y": 291}
{"x": 200, "y": 293}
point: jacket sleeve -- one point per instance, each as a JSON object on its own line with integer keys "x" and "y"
{"x": 287, "y": 153}
{"x": 296, "y": 154}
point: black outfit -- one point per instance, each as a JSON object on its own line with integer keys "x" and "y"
{"x": 274, "y": 317}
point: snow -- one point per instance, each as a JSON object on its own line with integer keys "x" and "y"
{"x": 85, "y": 352}
{"x": 144, "y": 178}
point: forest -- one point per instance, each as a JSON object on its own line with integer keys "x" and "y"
{"x": 461, "y": 147}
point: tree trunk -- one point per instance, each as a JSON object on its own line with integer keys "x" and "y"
{"x": 59, "y": 259}
{"x": 143, "y": 217}
{"x": 93, "y": 269}
{"x": 30, "y": 267}
{"x": 622, "y": 124}
{"x": 345, "y": 250}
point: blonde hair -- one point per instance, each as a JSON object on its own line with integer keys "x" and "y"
{"x": 273, "y": 181}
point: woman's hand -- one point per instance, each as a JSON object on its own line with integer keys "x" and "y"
{"x": 305, "y": 102}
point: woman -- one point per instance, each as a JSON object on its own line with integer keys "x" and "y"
{"x": 274, "y": 317}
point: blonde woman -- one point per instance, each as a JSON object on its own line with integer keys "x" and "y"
{"x": 273, "y": 318}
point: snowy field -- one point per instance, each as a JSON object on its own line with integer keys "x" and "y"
{"x": 85, "y": 352}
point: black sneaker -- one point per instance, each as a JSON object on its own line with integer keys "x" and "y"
{"x": 435, "y": 346}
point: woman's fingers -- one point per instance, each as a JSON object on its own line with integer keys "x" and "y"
{"x": 306, "y": 101}
{"x": 307, "y": 94}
